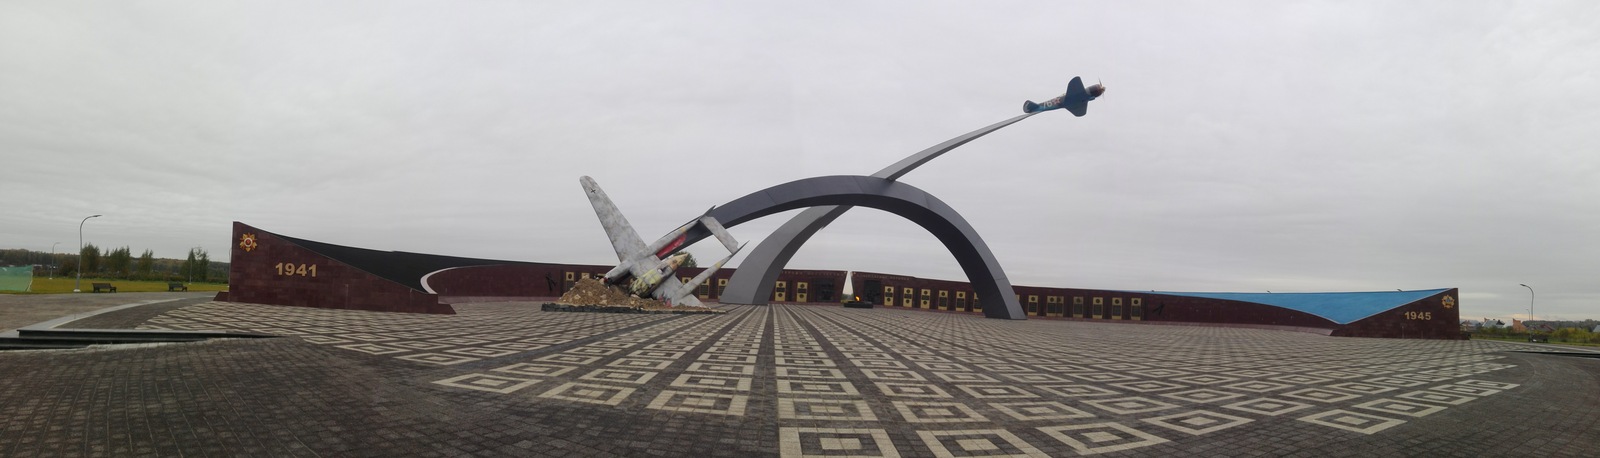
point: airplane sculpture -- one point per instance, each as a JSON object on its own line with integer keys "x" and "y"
{"x": 648, "y": 269}
{"x": 1076, "y": 100}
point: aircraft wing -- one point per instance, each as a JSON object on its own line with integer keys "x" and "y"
{"x": 1078, "y": 109}
{"x": 671, "y": 284}
{"x": 1075, "y": 87}
{"x": 624, "y": 240}
{"x": 1077, "y": 98}
{"x": 687, "y": 301}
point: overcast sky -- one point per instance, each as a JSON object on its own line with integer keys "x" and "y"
{"x": 1249, "y": 146}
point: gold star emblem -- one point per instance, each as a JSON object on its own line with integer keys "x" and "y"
{"x": 248, "y": 242}
{"x": 1449, "y": 302}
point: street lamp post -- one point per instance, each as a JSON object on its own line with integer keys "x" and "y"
{"x": 1530, "y": 301}
{"x": 77, "y": 283}
{"x": 53, "y": 260}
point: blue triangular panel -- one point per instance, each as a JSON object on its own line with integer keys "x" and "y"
{"x": 1341, "y": 308}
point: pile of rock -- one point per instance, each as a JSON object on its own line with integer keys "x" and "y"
{"x": 593, "y": 291}
{"x": 592, "y": 295}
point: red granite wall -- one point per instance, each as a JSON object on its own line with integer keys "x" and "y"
{"x": 1160, "y": 307}
{"x": 275, "y": 271}
{"x": 508, "y": 280}
{"x": 820, "y": 286}
{"x": 551, "y": 280}
{"x": 1037, "y": 302}
{"x": 1433, "y": 317}
{"x": 269, "y": 269}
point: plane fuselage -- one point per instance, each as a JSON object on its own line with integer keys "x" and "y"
{"x": 645, "y": 283}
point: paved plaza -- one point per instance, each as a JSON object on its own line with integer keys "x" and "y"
{"x": 781, "y": 380}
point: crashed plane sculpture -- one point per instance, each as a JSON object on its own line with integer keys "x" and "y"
{"x": 828, "y": 198}
{"x": 646, "y": 270}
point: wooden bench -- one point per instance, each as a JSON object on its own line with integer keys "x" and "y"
{"x": 104, "y": 286}
{"x": 176, "y": 286}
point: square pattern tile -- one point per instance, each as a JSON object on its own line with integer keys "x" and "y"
{"x": 588, "y": 393}
{"x": 977, "y": 442}
{"x": 824, "y": 409}
{"x": 835, "y": 442}
{"x": 1040, "y": 410}
{"x": 884, "y": 382}
{"x": 937, "y": 412}
{"x": 1129, "y": 405}
{"x": 1093, "y": 438}
{"x": 1352, "y": 421}
{"x": 1197, "y": 422}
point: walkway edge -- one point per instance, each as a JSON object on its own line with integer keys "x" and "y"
{"x": 52, "y": 324}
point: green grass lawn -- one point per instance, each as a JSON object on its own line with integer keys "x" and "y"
{"x": 45, "y": 285}
{"x": 1525, "y": 339}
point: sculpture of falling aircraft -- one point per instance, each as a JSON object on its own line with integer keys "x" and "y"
{"x": 647, "y": 269}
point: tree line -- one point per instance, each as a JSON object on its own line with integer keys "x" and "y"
{"x": 119, "y": 263}
{"x": 1576, "y": 333}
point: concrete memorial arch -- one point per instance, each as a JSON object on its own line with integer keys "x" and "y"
{"x": 826, "y": 198}
{"x": 840, "y": 193}
{"x": 753, "y": 282}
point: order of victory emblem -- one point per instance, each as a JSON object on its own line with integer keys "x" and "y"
{"x": 248, "y": 242}
{"x": 1449, "y": 302}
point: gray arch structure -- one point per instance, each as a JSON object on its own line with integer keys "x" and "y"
{"x": 752, "y": 283}
{"x": 843, "y": 191}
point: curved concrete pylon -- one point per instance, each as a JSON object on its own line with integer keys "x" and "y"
{"x": 752, "y": 283}
{"x": 983, "y": 271}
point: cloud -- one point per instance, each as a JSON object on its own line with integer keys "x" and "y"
{"x": 1299, "y": 146}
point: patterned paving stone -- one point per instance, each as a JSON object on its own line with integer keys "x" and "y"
{"x": 1197, "y": 422}
{"x": 487, "y": 382}
{"x": 1396, "y": 406}
{"x": 1089, "y": 439}
{"x": 823, "y": 442}
{"x": 591, "y": 393}
{"x": 1040, "y": 410}
{"x": 1353, "y": 421}
{"x": 781, "y": 381}
{"x": 1268, "y": 406}
{"x": 978, "y": 442}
